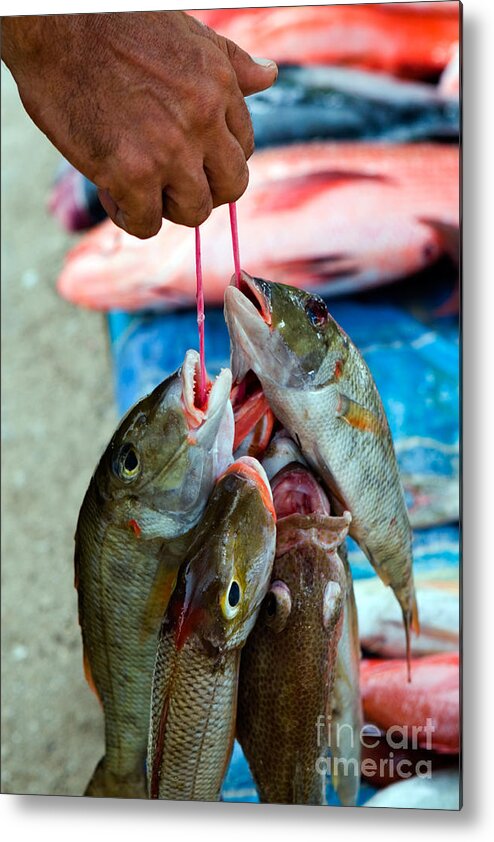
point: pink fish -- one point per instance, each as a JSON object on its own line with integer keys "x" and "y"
{"x": 326, "y": 216}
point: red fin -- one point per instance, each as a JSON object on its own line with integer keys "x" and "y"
{"x": 89, "y": 676}
{"x": 288, "y": 193}
{"x": 135, "y": 526}
{"x": 357, "y": 416}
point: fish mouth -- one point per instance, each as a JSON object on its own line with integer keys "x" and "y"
{"x": 296, "y": 491}
{"x": 303, "y": 512}
{"x": 249, "y": 468}
{"x": 256, "y": 344}
{"x": 204, "y": 418}
{"x": 249, "y": 321}
{"x": 257, "y": 292}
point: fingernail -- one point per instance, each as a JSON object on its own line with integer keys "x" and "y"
{"x": 266, "y": 62}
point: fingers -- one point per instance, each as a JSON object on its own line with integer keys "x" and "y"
{"x": 187, "y": 198}
{"x": 227, "y": 172}
{"x": 139, "y": 212}
{"x": 253, "y": 74}
{"x": 240, "y": 125}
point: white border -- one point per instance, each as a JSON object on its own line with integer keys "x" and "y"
{"x": 74, "y": 819}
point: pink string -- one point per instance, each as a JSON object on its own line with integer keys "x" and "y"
{"x": 201, "y": 385}
{"x": 236, "y": 252}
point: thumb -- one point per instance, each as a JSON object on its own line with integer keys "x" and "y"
{"x": 253, "y": 74}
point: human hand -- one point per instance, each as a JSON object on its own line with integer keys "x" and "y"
{"x": 149, "y": 106}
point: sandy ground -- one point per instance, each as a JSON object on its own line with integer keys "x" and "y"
{"x": 57, "y": 415}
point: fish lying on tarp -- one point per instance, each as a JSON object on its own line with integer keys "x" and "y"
{"x": 442, "y": 791}
{"x": 380, "y": 621}
{"x": 320, "y": 389}
{"x": 429, "y": 706}
{"x": 288, "y": 664}
{"x": 400, "y": 40}
{"x": 389, "y": 756}
{"x": 148, "y": 491}
{"x": 340, "y": 103}
{"x": 344, "y": 217}
{"x": 213, "y": 609}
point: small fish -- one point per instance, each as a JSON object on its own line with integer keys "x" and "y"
{"x": 344, "y": 217}
{"x": 321, "y": 390}
{"x": 148, "y": 491}
{"x": 380, "y": 621}
{"x": 288, "y": 663}
{"x": 213, "y": 609}
{"x": 429, "y": 706}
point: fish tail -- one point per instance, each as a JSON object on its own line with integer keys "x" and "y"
{"x": 105, "y": 784}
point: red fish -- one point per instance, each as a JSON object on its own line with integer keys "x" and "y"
{"x": 431, "y": 699}
{"x": 401, "y": 40}
{"x": 329, "y": 216}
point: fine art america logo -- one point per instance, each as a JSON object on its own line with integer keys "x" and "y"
{"x": 345, "y": 747}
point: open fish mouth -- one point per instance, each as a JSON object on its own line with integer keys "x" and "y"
{"x": 304, "y": 509}
{"x": 248, "y": 328}
{"x": 255, "y": 342}
{"x": 296, "y": 491}
{"x": 204, "y": 418}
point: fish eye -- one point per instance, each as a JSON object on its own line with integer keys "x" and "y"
{"x": 234, "y": 594}
{"x": 277, "y": 606}
{"x": 317, "y": 312}
{"x": 127, "y": 464}
{"x": 230, "y": 602}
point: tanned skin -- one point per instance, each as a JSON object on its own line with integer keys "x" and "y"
{"x": 149, "y": 106}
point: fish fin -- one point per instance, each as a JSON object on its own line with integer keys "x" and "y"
{"x": 105, "y": 784}
{"x": 449, "y": 236}
{"x": 89, "y": 675}
{"x": 158, "y": 598}
{"x": 295, "y": 190}
{"x": 411, "y": 621}
{"x": 415, "y": 616}
{"x": 157, "y": 757}
{"x": 357, "y": 416}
